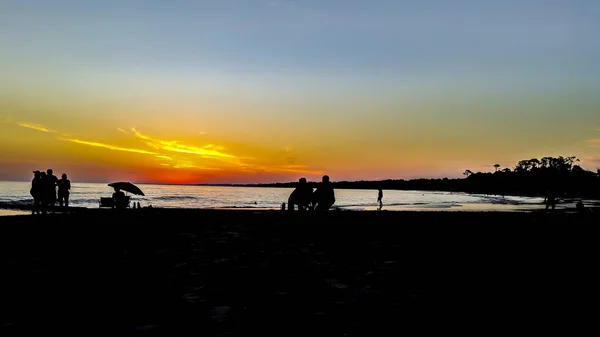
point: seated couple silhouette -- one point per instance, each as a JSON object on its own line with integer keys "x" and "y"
{"x": 320, "y": 200}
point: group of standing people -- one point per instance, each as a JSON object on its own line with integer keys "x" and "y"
{"x": 43, "y": 191}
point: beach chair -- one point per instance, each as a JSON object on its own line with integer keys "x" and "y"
{"x": 107, "y": 202}
{"x": 126, "y": 201}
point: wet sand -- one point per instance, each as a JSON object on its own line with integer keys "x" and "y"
{"x": 241, "y": 273}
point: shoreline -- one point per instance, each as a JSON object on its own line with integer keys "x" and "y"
{"x": 26, "y": 211}
{"x": 8, "y": 209}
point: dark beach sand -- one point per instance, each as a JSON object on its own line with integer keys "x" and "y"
{"x": 243, "y": 273}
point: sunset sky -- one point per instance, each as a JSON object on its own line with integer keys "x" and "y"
{"x": 244, "y": 91}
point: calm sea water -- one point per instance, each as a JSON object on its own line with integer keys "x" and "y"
{"x": 88, "y": 195}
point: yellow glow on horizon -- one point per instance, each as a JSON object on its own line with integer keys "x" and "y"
{"x": 269, "y": 140}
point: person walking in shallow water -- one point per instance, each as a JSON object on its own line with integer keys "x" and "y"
{"x": 551, "y": 199}
{"x": 64, "y": 185}
{"x": 379, "y": 197}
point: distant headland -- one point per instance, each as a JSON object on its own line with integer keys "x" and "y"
{"x": 531, "y": 177}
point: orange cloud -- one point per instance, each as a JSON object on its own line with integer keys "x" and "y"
{"x": 212, "y": 146}
{"x": 280, "y": 169}
{"x": 594, "y": 142}
{"x": 174, "y": 146}
{"x": 36, "y": 127}
{"x": 183, "y": 161}
{"x": 293, "y": 169}
{"x": 190, "y": 165}
{"x": 107, "y": 146}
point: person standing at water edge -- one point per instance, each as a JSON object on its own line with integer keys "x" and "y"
{"x": 43, "y": 192}
{"x": 64, "y": 185}
{"x": 324, "y": 196}
{"x": 379, "y": 197}
{"x": 37, "y": 189}
{"x": 551, "y": 199}
{"x": 52, "y": 181}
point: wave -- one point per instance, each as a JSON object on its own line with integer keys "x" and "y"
{"x": 501, "y": 200}
{"x": 448, "y": 203}
{"x": 174, "y": 197}
{"x": 241, "y": 207}
{"x": 18, "y": 202}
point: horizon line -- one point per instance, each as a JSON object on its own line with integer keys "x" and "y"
{"x": 240, "y": 184}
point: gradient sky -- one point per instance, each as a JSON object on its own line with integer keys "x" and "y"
{"x": 213, "y": 91}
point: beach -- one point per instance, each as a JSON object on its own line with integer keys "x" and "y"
{"x": 177, "y": 272}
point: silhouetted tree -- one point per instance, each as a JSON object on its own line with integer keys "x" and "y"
{"x": 530, "y": 177}
{"x": 534, "y": 163}
{"x": 496, "y": 166}
{"x": 523, "y": 166}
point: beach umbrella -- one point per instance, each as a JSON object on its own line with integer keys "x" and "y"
{"x": 127, "y": 187}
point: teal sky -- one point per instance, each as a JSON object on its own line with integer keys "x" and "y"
{"x": 480, "y": 81}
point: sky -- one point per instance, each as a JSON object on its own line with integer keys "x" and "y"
{"x": 247, "y": 91}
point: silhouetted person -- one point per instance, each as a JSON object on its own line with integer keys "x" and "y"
{"x": 580, "y": 207}
{"x": 379, "y": 197}
{"x": 37, "y": 190}
{"x": 324, "y": 196}
{"x": 119, "y": 199}
{"x": 551, "y": 199}
{"x": 44, "y": 195}
{"x": 64, "y": 185}
{"x": 301, "y": 196}
{"x": 51, "y": 181}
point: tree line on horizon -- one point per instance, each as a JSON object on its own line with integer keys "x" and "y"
{"x": 531, "y": 177}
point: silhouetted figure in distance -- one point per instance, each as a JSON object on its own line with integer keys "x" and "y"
{"x": 37, "y": 190}
{"x": 324, "y": 197}
{"x": 51, "y": 181}
{"x": 64, "y": 185}
{"x": 551, "y": 198}
{"x": 301, "y": 196}
{"x": 379, "y": 197}
{"x": 119, "y": 199}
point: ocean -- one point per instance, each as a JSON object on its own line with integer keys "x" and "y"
{"x": 183, "y": 196}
